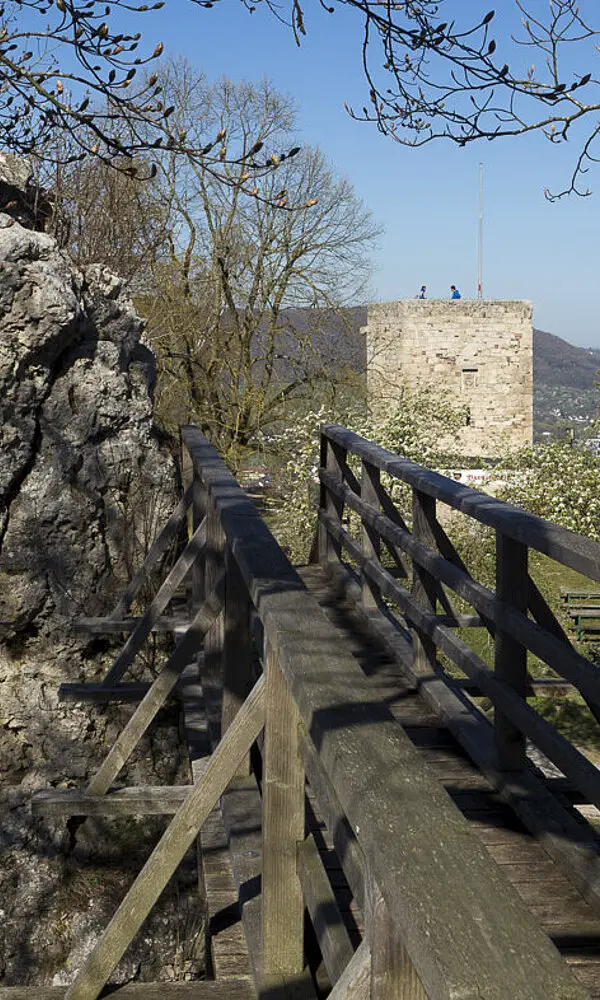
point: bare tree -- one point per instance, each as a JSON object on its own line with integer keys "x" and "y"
{"x": 455, "y": 78}
{"x": 232, "y": 349}
{"x": 434, "y": 68}
{"x": 105, "y": 215}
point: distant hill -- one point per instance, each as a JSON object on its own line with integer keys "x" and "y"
{"x": 564, "y": 394}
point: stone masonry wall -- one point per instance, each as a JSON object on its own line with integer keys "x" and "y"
{"x": 480, "y": 353}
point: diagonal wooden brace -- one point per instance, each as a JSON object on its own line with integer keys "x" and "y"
{"x": 187, "y": 647}
{"x": 171, "y": 848}
{"x": 141, "y": 632}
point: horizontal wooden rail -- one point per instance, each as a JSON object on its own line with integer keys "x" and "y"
{"x": 567, "y": 547}
{"x": 557, "y": 654}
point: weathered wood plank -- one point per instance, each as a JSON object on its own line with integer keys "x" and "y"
{"x": 157, "y": 800}
{"x": 333, "y": 458}
{"x": 355, "y": 981}
{"x": 510, "y": 657}
{"x": 157, "y": 550}
{"x": 108, "y": 626}
{"x": 237, "y": 647}
{"x": 393, "y": 975}
{"x": 101, "y": 694}
{"x": 424, "y": 585}
{"x": 171, "y": 849}
{"x": 343, "y": 837}
{"x": 162, "y": 598}
{"x": 232, "y": 989}
{"x": 283, "y": 829}
{"x": 370, "y": 539}
{"x": 241, "y": 808}
{"x": 319, "y": 898}
{"x": 214, "y": 642}
{"x": 198, "y": 512}
{"x": 186, "y": 649}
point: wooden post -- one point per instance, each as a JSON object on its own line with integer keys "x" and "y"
{"x": 283, "y": 829}
{"x": 212, "y": 673}
{"x": 393, "y": 976}
{"x": 371, "y": 543}
{"x": 333, "y": 458}
{"x": 510, "y": 657}
{"x": 237, "y": 648}
{"x": 424, "y": 586}
{"x": 198, "y": 512}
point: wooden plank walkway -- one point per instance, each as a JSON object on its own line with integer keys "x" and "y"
{"x": 556, "y": 902}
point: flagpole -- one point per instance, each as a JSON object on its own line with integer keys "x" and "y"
{"x": 480, "y": 237}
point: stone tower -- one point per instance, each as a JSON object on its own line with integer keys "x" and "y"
{"x": 479, "y": 353}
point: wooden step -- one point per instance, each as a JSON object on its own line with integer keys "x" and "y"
{"x": 230, "y": 989}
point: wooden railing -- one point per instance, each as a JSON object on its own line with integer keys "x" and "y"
{"x": 441, "y": 921}
{"x": 438, "y": 568}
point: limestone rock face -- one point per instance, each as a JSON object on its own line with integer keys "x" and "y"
{"x": 85, "y": 483}
{"x": 81, "y": 468}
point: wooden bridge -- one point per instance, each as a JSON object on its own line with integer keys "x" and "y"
{"x": 363, "y": 829}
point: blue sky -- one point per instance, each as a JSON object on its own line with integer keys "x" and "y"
{"x": 426, "y": 198}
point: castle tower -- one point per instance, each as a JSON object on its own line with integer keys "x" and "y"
{"x": 479, "y": 353}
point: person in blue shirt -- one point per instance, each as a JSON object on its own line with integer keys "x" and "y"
{"x": 455, "y": 292}
{"x": 423, "y": 293}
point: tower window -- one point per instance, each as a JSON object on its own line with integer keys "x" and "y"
{"x": 469, "y": 378}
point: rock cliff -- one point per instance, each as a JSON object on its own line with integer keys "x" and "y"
{"x": 85, "y": 481}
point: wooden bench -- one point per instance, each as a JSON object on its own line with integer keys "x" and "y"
{"x": 574, "y": 598}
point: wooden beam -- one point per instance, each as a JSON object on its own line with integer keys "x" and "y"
{"x": 171, "y": 849}
{"x": 231, "y": 989}
{"x": 344, "y": 839}
{"x": 185, "y": 650}
{"x": 371, "y": 542}
{"x": 393, "y": 975}
{"x": 157, "y": 800}
{"x": 510, "y": 656}
{"x": 355, "y": 981}
{"x": 283, "y": 829}
{"x": 101, "y": 694}
{"x": 164, "y": 595}
{"x": 319, "y": 898}
{"x": 157, "y": 550}
{"x": 333, "y": 458}
{"x": 424, "y": 584}
{"x": 237, "y": 647}
{"x": 109, "y": 626}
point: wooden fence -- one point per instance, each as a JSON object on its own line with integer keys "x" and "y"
{"x": 441, "y": 920}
